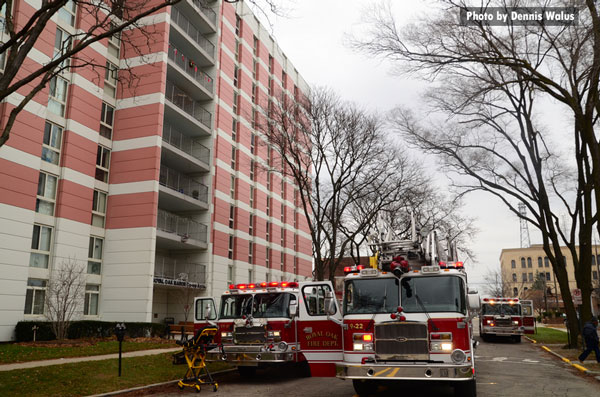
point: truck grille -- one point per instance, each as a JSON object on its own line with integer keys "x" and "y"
{"x": 249, "y": 335}
{"x": 503, "y": 322}
{"x": 401, "y": 341}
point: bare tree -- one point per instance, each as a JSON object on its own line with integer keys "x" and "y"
{"x": 497, "y": 285}
{"x": 338, "y": 157}
{"x": 487, "y": 130}
{"x": 103, "y": 19}
{"x": 64, "y": 296}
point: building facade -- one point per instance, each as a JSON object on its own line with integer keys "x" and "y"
{"x": 521, "y": 267}
{"x": 154, "y": 188}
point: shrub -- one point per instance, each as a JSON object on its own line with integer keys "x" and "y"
{"x": 24, "y": 331}
{"x": 90, "y": 329}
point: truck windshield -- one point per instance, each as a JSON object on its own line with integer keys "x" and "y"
{"x": 375, "y": 295}
{"x": 436, "y": 294}
{"x": 500, "y": 309}
{"x": 259, "y": 305}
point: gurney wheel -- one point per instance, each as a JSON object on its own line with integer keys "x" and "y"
{"x": 197, "y": 388}
{"x": 180, "y": 385}
{"x": 215, "y": 387}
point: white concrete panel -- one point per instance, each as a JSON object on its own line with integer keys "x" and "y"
{"x": 155, "y": 57}
{"x": 137, "y": 143}
{"x": 78, "y": 177}
{"x": 19, "y": 157}
{"x": 133, "y": 187}
{"x": 141, "y": 100}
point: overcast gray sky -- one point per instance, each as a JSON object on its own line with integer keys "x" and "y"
{"x": 313, "y": 39}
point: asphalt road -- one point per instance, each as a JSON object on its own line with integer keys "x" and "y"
{"x": 504, "y": 368}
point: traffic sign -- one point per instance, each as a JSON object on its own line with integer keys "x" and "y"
{"x": 576, "y": 294}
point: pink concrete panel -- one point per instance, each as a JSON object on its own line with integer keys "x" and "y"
{"x": 18, "y": 185}
{"x": 74, "y": 201}
{"x": 79, "y": 153}
{"x": 84, "y": 107}
{"x": 135, "y": 165}
{"x": 139, "y": 121}
{"x": 220, "y": 243}
{"x": 132, "y": 210}
{"x": 148, "y": 78}
{"x": 27, "y": 132}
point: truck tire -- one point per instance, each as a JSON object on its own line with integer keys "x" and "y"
{"x": 484, "y": 337}
{"x": 247, "y": 372}
{"x": 465, "y": 389}
{"x": 517, "y": 338}
{"x": 364, "y": 388}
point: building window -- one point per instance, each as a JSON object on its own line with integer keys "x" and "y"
{"x": 251, "y": 252}
{"x": 268, "y": 206}
{"x": 67, "y": 13}
{"x": 255, "y": 70}
{"x": 230, "y": 248}
{"x": 523, "y": 265}
{"x": 111, "y": 76}
{"x": 231, "y": 216}
{"x": 251, "y": 225}
{"x": 268, "y": 232}
{"x": 282, "y": 213}
{"x": 255, "y": 46}
{"x": 282, "y": 242}
{"x": 295, "y": 219}
{"x": 236, "y": 80}
{"x": 40, "y": 246}
{"x": 102, "y": 163}
{"x": 514, "y": 277}
{"x": 238, "y": 51}
{"x": 282, "y": 192}
{"x": 270, "y": 88}
{"x": 58, "y": 95}
{"x": 250, "y": 276}
{"x": 270, "y": 64}
{"x": 269, "y": 176}
{"x": 524, "y": 277}
{"x": 233, "y": 153}
{"x": 529, "y": 262}
{"x": 513, "y": 264}
{"x": 92, "y": 295}
{"x": 268, "y": 258}
{"x": 282, "y": 261}
{"x": 238, "y": 25}
{"x": 540, "y": 261}
{"x": 230, "y": 272}
{"x": 114, "y": 43}
{"x": 52, "y": 143}
{"x": 530, "y": 277}
{"x": 252, "y": 143}
{"x": 98, "y": 208}
{"x": 235, "y": 102}
{"x": 254, "y": 93}
{"x": 62, "y": 43}
{"x": 515, "y": 291}
{"x": 546, "y": 262}
{"x": 232, "y": 187}
{"x": 251, "y": 196}
{"x": 251, "y": 170}
{"x": 95, "y": 255}
{"x": 3, "y": 55}
{"x": 46, "y": 194}
{"x": 295, "y": 242}
{"x": 35, "y": 296}
{"x": 594, "y": 275}
{"x": 106, "y": 120}
{"x": 283, "y": 79}
{"x": 547, "y": 276}
{"x": 234, "y": 128}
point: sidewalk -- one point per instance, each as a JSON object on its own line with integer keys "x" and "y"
{"x": 59, "y": 361}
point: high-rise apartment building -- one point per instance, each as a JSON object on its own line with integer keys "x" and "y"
{"x": 157, "y": 189}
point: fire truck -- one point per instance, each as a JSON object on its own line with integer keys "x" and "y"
{"x": 508, "y": 317}
{"x": 409, "y": 318}
{"x": 275, "y": 323}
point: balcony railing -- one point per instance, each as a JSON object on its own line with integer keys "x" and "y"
{"x": 183, "y": 227}
{"x": 183, "y": 101}
{"x": 191, "y": 69}
{"x": 180, "y": 20}
{"x": 187, "y": 144}
{"x": 179, "y": 272}
{"x": 209, "y": 12}
{"x": 183, "y": 184}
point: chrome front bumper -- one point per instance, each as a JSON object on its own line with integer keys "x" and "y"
{"x": 503, "y": 330}
{"x": 394, "y": 371}
{"x": 249, "y": 356}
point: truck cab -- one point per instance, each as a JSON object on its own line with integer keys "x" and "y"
{"x": 278, "y": 323}
{"x": 501, "y": 317}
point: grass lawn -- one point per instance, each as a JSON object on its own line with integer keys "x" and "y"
{"x": 93, "y": 377}
{"x": 15, "y": 352}
{"x": 549, "y": 335}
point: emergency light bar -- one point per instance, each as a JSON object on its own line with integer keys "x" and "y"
{"x": 494, "y": 300}
{"x": 272, "y": 284}
{"x": 452, "y": 265}
{"x": 353, "y": 269}
{"x": 430, "y": 269}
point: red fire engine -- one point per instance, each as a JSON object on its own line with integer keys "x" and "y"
{"x": 409, "y": 319}
{"x": 274, "y": 323}
{"x": 509, "y": 317}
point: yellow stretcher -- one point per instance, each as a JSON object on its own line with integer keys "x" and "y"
{"x": 194, "y": 352}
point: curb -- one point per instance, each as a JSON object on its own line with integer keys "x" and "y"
{"x": 566, "y": 360}
{"x": 138, "y": 388}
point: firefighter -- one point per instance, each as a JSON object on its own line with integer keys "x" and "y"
{"x": 591, "y": 339}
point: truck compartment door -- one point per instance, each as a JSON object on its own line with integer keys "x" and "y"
{"x": 528, "y": 317}
{"x": 320, "y": 337}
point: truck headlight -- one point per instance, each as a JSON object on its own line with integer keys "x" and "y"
{"x": 446, "y": 347}
{"x": 458, "y": 356}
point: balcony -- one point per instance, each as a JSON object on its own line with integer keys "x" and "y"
{"x": 184, "y": 105}
{"x": 192, "y": 39}
{"x": 183, "y": 71}
{"x": 175, "y": 232}
{"x": 179, "y": 192}
{"x": 179, "y": 273}
{"x": 184, "y": 152}
{"x": 207, "y": 12}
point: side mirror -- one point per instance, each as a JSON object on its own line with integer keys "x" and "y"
{"x": 473, "y": 301}
{"x": 293, "y": 308}
{"x": 208, "y": 313}
{"x": 472, "y": 291}
{"x": 329, "y": 303}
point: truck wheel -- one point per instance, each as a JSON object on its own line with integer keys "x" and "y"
{"x": 303, "y": 369}
{"x": 484, "y": 337}
{"x": 247, "y": 372}
{"x": 517, "y": 338}
{"x": 465, "y": 389}
{"x": 364, "y": 388}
